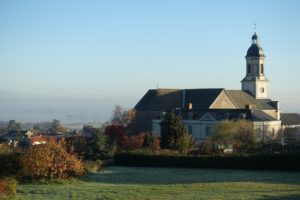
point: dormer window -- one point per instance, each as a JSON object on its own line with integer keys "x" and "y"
{"x": 162, "y": 115}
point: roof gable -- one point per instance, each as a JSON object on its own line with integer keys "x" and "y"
{"x": 202, "y": 98}
{"x": 223, "y": 101}
{"x": 207, "y": 117}
{"x": 242, "y": 98}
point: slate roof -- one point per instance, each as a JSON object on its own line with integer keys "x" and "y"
{"x": 290, "y": 118}
{"x": 202, "y": 98}
{"x": 160, "y": 100}
{"x": 168, "y": 99}
{"x": 258, "y": 115}
{"x": 242, "y": 98}
{"x": 219, "y": 114}
{"x": 255, "y": 51}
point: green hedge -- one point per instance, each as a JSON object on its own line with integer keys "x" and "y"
{"x": 265, "y": 162}
{"x": 9, "y": 164}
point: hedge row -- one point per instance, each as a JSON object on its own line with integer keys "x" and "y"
{"x": 9, "y": 164}
{"x": 264, "y": 162}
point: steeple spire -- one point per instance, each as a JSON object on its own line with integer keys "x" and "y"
{"x": 255, "y": 81}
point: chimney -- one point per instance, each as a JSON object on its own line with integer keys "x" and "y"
{"x": 277, "y": 107}
{"x": 189, "y": 106}
{"x": 248, "y": 107}
{"x": 275, "y": 104}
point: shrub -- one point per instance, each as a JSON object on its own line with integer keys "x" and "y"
{"x": 116, "y": 133}
{"x": 51, "y": 160}
{"x": 148, "y": 140}
{"x": 92, "y": 166}
{"x": 9, "y": 161}
{"x": 133, "y": 142}
{"x": 151, "y": 142}
{"x": 8, "y": 188}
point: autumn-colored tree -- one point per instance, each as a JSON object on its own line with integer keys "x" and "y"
{"x": 116, "y": 133}
{"x": 129, "y": 121}
{"x": 133, "y": 142}
{"x": 125, "y": 118}
{"x": 8, "y": 188}
{"x": 51, "y": 160}
{"x": 151, "y": 142}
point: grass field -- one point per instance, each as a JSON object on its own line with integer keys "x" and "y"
{"x": 170, "y": 183}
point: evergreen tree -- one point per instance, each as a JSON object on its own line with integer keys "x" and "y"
{"x": 174, "y": 134}
{"x": 101, "y": 146}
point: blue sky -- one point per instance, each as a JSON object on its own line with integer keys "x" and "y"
{"x": 102, "y": 53}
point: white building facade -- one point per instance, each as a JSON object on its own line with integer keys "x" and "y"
{"x": 202, "y": 109}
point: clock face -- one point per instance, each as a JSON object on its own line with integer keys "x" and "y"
{"x": 262, "y": 90}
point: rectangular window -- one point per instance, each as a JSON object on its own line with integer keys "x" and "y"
{"x": 207, "y": 131}
{"x": 261, "y": 68}
{"x": 190, "y": 129}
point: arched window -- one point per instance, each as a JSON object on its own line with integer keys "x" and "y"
{"x": 248, "y": 69}
{"x": 261, "y": 68}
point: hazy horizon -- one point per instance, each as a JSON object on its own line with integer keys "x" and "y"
{"x": 75, "y": 60}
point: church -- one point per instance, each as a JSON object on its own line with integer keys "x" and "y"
{"x": 202, "y": 109}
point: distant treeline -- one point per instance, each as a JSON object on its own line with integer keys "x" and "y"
{"x": 28, "y": 125}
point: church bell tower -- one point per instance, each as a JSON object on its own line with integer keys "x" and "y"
{"x": 255, "y": 81}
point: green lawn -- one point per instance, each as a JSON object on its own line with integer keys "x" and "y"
{"x": 170, "y": 183}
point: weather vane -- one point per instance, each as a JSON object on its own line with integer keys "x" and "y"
{"x": 255, "y": 27}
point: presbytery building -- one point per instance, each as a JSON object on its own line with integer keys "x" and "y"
{"x": 201, "y": 109}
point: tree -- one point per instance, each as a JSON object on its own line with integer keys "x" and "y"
{"x": 3, "y": 140}
{"x": 116, "y": 133}
{"x": 224, "y": 133}
{"x": 129, "y": 120}
{"x": 57, "y": 127}
{"x": 13, "y": 125}
{"x": 101, "y": 146}
{"x": 37, "y": 127}
{"x": 51, "y": 160}
{"x": 174, "y": 134}
{"x": 245, "y": 137}
{"x": 118, "y": 114}
{"x": 239, "y": 134}
{"x": 125, "y": 118}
